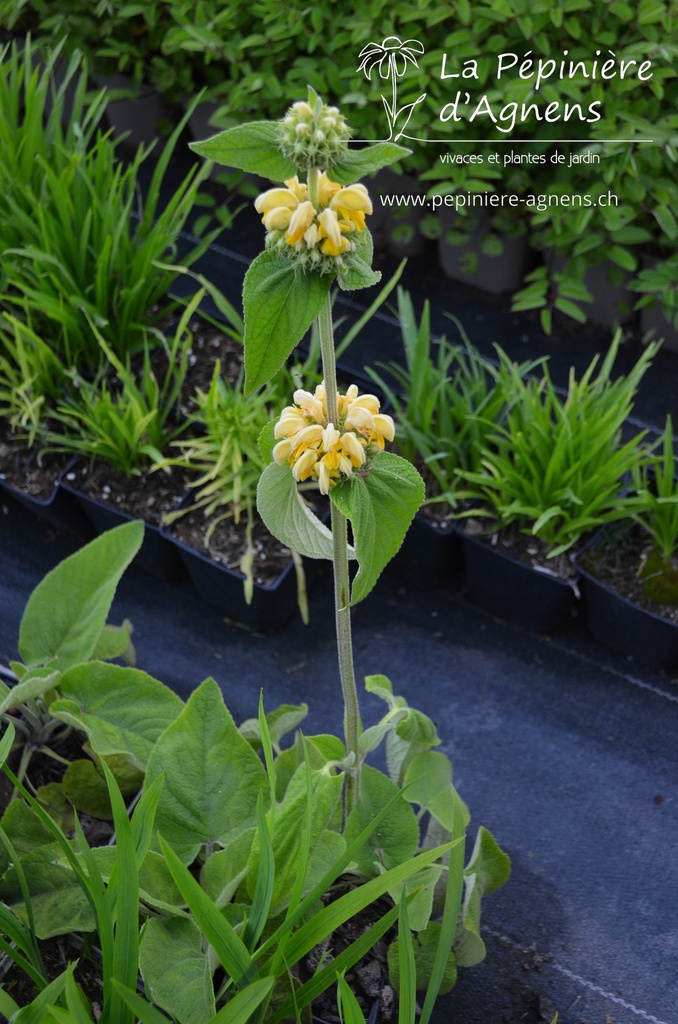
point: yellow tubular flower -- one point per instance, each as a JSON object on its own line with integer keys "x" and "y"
{"x": 384, "y": 426}
{"x": 351, "y": 204}
{"x": 300, "y": 221}
{"x": 278, "y": 204}
{"x": 315, "y": 448}
{"x": 314, "y": 232}
{"x": 330, "y": 230}
{"x": 353, "y": 448}
{"x": 327, "y": 189}
{"x": 352, "y": 197}
{"x": 290, "y": 422}
{"x": 305, "y": 465}
{"x": 310, "y": 405}
{"x": 359, "y": 419}
{"x": 330, "y": 437}
{"x": 324, "y": 481}
{"x": 283, "y": 450}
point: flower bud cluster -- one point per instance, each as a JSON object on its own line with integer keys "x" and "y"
{"x": 326, "y": 452}
{"x": 313, "y": 134}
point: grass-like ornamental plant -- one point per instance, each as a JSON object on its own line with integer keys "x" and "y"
{"x": 223, "y": 460}
{"x": 447, "y": 401}
{"x": 223, "y": 456}
{"x": 30, "y": 375}
{"x": 653, "y": 543}
{"x": 654, "y": 480}
{"x": 127, "y": 422}
{"x": 556, "y": 467}
{"x": 36, "y": 131}
{"x": 88, "y": 252}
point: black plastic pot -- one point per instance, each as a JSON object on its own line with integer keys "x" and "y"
{"x": 511, "y": 590}
{"x": 624, "y": 626}
{"x": 60, "y": 509}
{"x": 430, "y": 555}
{"x": 223, "y": 588}
{"x": 157, "y": 556}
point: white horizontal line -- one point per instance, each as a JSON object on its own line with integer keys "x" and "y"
{"x": 633, "y": 680}
{"x": 607, "y": 995}
{"x": 617, "y": 1000}
{"x": 492, "y": 142}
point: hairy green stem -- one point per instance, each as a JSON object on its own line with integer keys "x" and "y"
{"x": 341, "y": 577}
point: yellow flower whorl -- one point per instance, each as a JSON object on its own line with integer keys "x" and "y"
{"x": 320, "y": 450}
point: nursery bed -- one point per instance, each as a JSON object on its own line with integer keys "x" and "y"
{"x": 566, "y": 753}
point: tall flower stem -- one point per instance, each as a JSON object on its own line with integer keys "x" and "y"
{"x": 341, "y": 576}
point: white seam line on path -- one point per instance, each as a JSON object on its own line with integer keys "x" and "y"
{"x": 617, "y": 1000}
{"x": 633, "y": 680}
{"x": 607, "y": 995}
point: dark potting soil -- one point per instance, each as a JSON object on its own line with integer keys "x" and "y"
{"x": 228, "y": 543}
{"x": 524, "y": 547}
{"x": 622, "y": 559}
{"x": 26, "y": 469}
{"x": 369, "y": 978}
{"x": 149, "y": 497}
{"x": 56, "y": 954}
{"x": 209, "y": 345}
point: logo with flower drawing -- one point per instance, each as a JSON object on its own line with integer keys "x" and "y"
{"x": 390, "y": 59}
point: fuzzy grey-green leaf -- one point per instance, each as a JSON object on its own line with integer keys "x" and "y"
{"x": 67, "y": 611}
{"x": 212, "y": 775}
{"x": 250, "y": 147}
{"x": 356, "y": 163}
{"x": 358, "y": 273}
{"x": 122, "y": 710}
{"x": 280, "y": 302}
{"x": 287, "y": 516}
{"x": 395, "y": 840}
{"x": 380, "y": 501}
{"x": 176, "y": 970}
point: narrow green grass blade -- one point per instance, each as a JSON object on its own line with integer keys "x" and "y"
{"x": 263, "y": 891}
{"x": 305, "y": 850}
{"x": 35, "y": 1013}
{"x": 143, "y": 818}
{"x": 280, "y": 957}
{"x": 229, "y": 947}
{"x": 76, "y": 1008}
{"x": 6, "y": 743}
{"x": 7, "y": 1005}
{"x": 29, "y": 945}
{"x": 96, "y": 890}
{"x": 269, "y": 759}
{"x": 331, "y": 917}
{"x": 323, "y": 979}
{"x": 348, "y": 1005}
{"x": 451, "y": 909}
{"x": 123, "y": 898}
{"x": 26, "y": 966}
{"x": 144, "y": 1012}
{"x": 407, "y": 999}
{"x": 240, "y": 1009}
